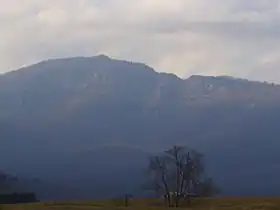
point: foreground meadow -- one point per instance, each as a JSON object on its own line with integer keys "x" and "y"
{"x": 256, "y": 203}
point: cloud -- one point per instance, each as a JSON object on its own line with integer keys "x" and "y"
{"x": 185, "y": 37}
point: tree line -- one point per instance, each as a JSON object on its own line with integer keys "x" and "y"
{"x": 8, "y": 188}
{"x": 178, "y": 174}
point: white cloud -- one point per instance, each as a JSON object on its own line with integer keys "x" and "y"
{"x": 185, "y": 37}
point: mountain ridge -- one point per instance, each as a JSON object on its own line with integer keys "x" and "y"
{"x": 108, "y": 58}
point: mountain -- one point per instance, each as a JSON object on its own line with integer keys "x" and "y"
{"x": 89, "y": 124}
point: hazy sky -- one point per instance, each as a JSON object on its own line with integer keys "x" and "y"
{"x": 234, "y": 37}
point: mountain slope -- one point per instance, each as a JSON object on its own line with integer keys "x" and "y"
{"x": 60, "y": 109}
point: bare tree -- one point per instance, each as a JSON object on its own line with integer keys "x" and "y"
{"x": 179, "y": 173}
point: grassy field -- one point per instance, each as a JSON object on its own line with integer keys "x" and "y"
{"x": 143, "y": 204}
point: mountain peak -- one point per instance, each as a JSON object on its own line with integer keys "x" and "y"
{"x": 73, "y": 59}
{"x": 102, "y": 56}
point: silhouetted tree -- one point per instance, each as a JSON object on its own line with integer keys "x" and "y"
{"x": 7, "y": 182}
{"x": 179, "y": 174}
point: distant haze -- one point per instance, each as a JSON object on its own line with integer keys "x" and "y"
{"x": 234, "y": 37}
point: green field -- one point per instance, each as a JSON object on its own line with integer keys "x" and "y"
{"x": 143, "y": 204}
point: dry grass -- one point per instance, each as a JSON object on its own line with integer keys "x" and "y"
{"x": 152, "y": 204}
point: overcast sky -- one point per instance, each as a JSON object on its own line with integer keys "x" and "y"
{"x": 212, "y": 37}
